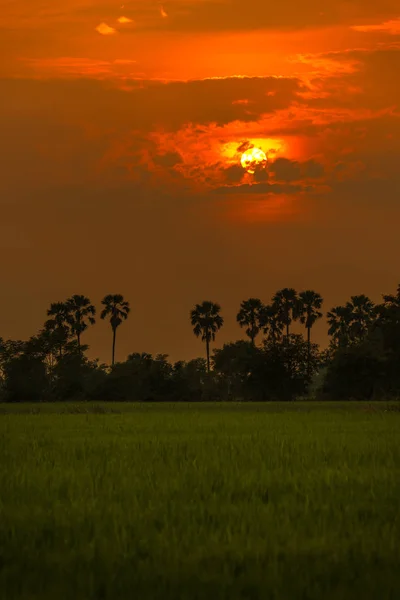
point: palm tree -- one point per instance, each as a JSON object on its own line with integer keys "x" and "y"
{"x": 81, "y": 313}
{"x": 271, "y": 323}
{"x": 59, "y": 323}
{"x": 309, "y": 304}
{"x": 286, "y": 303}
{"x": 363, "y": 314}
{"x": 118, "y": 309}
{"x": 339, "y": 320}
{"x": 206, "y": 321}
{"x": 249, "y": 315}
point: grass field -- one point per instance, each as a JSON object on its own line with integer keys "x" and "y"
{"x": 204, "y": 501}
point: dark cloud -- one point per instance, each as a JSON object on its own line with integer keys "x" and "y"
{"x": 312, "y": 169}
{"x": 261, "y": 175}
{"x": 259, "y": 188}
{"x": 369, "y": 84}
{"x": 232, "y": 15}
{"x": 150, "y": 104}
{"x": 234, "y": 173}
{"x": 244, "y": 146}
{"x": 288, "y": 170}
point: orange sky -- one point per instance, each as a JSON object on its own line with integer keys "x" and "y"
{"x": 122, "y": 126}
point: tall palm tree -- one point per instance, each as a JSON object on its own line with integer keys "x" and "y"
{"x": 286, "y": 303}
{"x": 206, "y": 321}
{"x": 249, "y": 315}
{"x": 309, "y": 304}
{"x": 271, "y": 323}
{"x": 118, "y": 309}
{"x": 339, "y": 320}
{"x": 81, "y": 313}
{"x": 59, "y": 323}
{"x": 363, "y": 314}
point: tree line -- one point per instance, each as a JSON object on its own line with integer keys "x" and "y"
{"x": 361, "y": 361}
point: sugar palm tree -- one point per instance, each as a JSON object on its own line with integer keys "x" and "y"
{"x": 362, "y": 316}
{"x": 271, "y": 323}
{"x": 206, "y": 321}
{"x": 308, "y": 309}
{"x": 339, "y": 320}
{"x": 249, "y": 316}
{"x": 59, "y": 323}
{"x": 118, "y": 309}
{"x": 286, "y": 303}
{"x": 81, "y": 313}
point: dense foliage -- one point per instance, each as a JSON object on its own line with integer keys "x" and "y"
{"x": 361, "y": 362}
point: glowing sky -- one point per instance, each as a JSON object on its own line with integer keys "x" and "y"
{"x": 122, "y": 128}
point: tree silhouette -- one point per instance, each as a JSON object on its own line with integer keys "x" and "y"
{"x": 391, "y": 300}
{"x": 206, "y": 321}
{"x": 339, "y": 320}
{"x": 81, "y": 314}
{"x": 271, "y": 323}
{"x": 308, "y": 309}
{"x": 59, "y": 324}
{"x": 362, "y": 316}
{"x": 249, "y": 316}
{"x": 286, "y": 303}
{"x": 118, "y": 309}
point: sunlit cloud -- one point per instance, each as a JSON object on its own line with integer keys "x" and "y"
{"x": 105, "y": 29}
{"x": 392, "y": 27}
{"x": 71, "y": 66}
{"x": 124, "y": 20}
{"x": 163, "y": 13}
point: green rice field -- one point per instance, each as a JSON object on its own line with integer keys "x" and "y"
{"x": 200, "y": 501}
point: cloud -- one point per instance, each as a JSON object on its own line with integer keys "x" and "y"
{"x": 234, "y": 173}
{"x": 288, "y": 170}
{"x": 124, "y": 20}
{"x": 78, "y": 67}
{"x": 105, "y": 29}
{"x": 153, "y": 104}
{"x": 209, "y": 16}
{"x": 391, "y": 27}
{"x": 244, "y": 146}
{"x": 259, "y": 188}
{"x": 232, "y": 15}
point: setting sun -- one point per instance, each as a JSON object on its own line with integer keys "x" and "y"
{"x": 253, "y": 160}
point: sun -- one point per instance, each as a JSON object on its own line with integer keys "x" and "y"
{"x": 253, "y": 160}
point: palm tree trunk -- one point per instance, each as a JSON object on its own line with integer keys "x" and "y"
{"x": 308, "y": 350}
{"x": 113, "y": 345}
{"x": 78, "y": 337}
{"x": 208, "y": 354}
